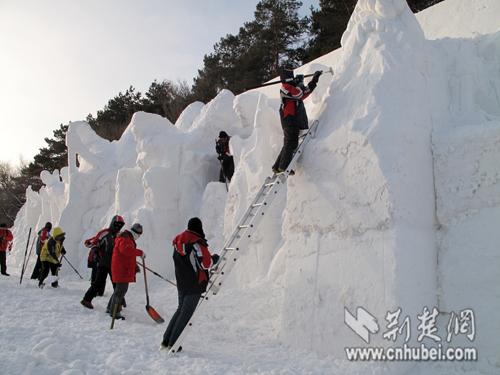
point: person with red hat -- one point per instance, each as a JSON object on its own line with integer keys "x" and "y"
{"x": 6, "y": 238}
{"x": 102, "y": 245}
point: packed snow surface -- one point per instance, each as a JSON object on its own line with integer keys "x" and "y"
{"x": 395, "y": 204}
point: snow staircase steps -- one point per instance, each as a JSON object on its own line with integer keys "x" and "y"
{"x": 242, "y": 234}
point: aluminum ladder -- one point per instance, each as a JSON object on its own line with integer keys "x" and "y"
{"x": 242, "y": 234}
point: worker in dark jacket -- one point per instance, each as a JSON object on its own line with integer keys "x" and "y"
{"x": 103, "y": 243}
{"x": 192, "y": 262}
{"x": 225, "y": 158}
{"x": 43, "y": 235}
{"x": 6, "y": 238}
{"x": 50, "y": 256}
{"x": 123, "y": 267}
{"x": 292, "y": 114}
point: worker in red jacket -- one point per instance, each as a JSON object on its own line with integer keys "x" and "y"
{"x": 6, "y": 238}
{"x": 192, "y": 261}
{"x": 43, "y": 235}
{"x": 123, "y": 267}
{"x": 292, "y": 114}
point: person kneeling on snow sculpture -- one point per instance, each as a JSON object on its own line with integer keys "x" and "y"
{"x": 292, "y": 114}
{"x": 225, "y": 157}
{"x": 192, "y": 262}
{"x": 43, "y": 236}
{"x": 123, "y": 267}
{"x": 50, "y": 256}
{"x": 102, "y": 245}
{"x": 6, "y": 238}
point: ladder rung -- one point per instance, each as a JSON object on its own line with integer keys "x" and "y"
{"x": 272, "y": 183}
{"x": 259, "y": 204}
{"x": 245, "y": 226}
{"x": 232, "y": 248}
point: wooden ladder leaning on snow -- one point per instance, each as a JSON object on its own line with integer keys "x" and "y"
{"x": 245, "y": 229}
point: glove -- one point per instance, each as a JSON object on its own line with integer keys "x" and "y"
{"x": 316, "y": 75}
{"x": 137, "y": 269}
{"x": 215, "y": 258}
{"x": 220, "y": 157}
{"x": 299, "y": 78}
{"x": 63, "y": 251}
{"x": 143, "y": 256}
{"x": 59, "y": 265}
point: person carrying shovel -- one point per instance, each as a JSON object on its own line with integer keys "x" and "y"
{"x": 123, "y": 267}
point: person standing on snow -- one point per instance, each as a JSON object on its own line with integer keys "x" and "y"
{"x": 43, "y": 235}
{"x": 292, "y": 114}
{"x": 192, "y": 262}
{"x": 6, "y": 238}
{"x": 102, "y": 244}
{"x": 225, "y": 157}
{"x": 123, "y": 267}
{"x": 50, "y": 256}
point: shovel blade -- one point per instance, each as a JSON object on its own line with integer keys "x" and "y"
{"x": 154, "y": 314}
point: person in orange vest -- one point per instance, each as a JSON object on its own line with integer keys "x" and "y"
{"x": 6, "y": 238}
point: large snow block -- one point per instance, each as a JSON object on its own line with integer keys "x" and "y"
{"x": 468, "y": 209}
{"x": 359, "y": 224}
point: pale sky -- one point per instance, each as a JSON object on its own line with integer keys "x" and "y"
{"x": 63, "y": 59}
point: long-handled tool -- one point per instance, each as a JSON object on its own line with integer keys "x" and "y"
{"x": 151, "y": 311}
{"x": 157, "y": 274}
{"x": 24, "y": 260}
{"x": 329, "y": 70}
{"x": 74, "y": 269}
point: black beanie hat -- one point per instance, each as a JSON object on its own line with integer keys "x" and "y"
{"x": 286, "y": 75}
{"x": 223, "y": 134}
{"x": 195, "y": 225}
{"x": 48, "y": 225}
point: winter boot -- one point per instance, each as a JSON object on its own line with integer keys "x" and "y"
{"x": 55, "y": 284}
{"x": 86, "y": 304}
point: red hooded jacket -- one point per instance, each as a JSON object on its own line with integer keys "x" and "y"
{"x": 123, "y": 260}
{"x": 192, "y": 260}
{"x": 5, "y": 238}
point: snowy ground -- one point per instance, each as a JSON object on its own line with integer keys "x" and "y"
{"x": 48, "y": 332}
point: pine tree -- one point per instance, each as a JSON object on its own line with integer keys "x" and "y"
{"x": 256, "y": 53}
{"x": 327, "y": 26}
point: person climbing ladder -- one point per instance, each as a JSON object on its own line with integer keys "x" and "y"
{"x": 292, "y": 114}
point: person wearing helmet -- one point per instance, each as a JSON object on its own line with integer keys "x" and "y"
{"x": 102, "y": 245}
{"x": 293, "y": 114}
{"x": 43, "y": 236}
{"x": 50, "y": 256}
{"x": 123, "y": 267}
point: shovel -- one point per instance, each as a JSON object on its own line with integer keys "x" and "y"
{"x": 151, "y": 311}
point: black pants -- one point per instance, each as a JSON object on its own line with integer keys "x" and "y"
{"x": 290, "y": 142}
{"x": 44, "y": 272}
{"x": 3, "y": 262}
{"x": 227, "y": 168}
{"x": 117, "y": 297}
{"x": 36, "y": 271}
{"x": 93, "y": 278}
{"x": 187, "y": 305}
{"x": 98, "y": 284}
